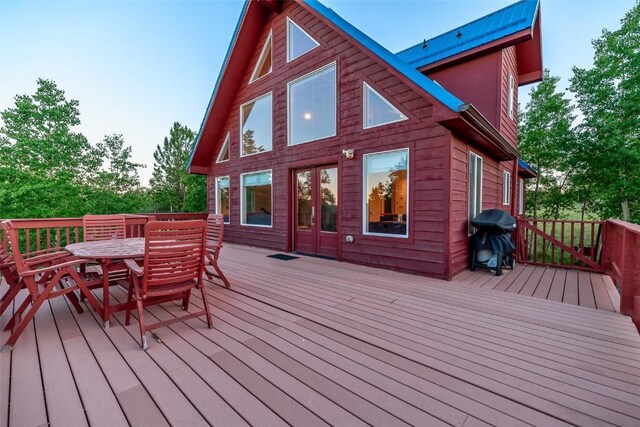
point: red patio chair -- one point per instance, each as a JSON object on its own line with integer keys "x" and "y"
{"x": 173, "y": 264}
{"x": 215, "y": 234}
{"x": 58, "y": 278}
{"x": 107, "y": 227}
{"x": 8, "y": 270}
{"x": 103, "y": 227}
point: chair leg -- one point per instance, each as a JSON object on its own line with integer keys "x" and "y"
{"x": 221, "y": 275}
{"x": 73, "y": 298}
{"x": 8, "y": 346}
{"x": 17, "y": 315}
{"x": 185, "y": 300}
{"x": 143, "y": 332}
{"x": 127, "y": 319}
{"x": 206, "y": 305}
{"x": 9, "y": 296}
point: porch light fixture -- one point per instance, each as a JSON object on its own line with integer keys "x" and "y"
{"x": 307, "y": 116}
{"x": 348, "y": 154}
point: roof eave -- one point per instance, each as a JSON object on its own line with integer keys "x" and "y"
{"x": 189, "y": 167}
{"x": 476, "y": 128}
{"x": 496, "y": 45}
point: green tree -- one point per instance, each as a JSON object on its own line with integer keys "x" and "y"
{"x": 37, "y": 136}
{"x": 545, "y": 139}
{"x": 172, "y": 188}
{"x": 608, "y": 95}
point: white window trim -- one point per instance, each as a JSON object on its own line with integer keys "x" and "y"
{"x": 520, "y": 196}
{"x": 242, "y": 119}
{"x": 289, "y": 58}
{"x": 242, "y": 212}
{"x": 511, "y": 99}
{"x": 365, "y": 211}
{"x": 506, "y": 188}
{"x": 226, "y": 144}
{"x": 218, "y": 210}
{"x": 292, "y": 82}
{"x": 256, "y": 69}
{"x": 366, "y": 85}
{"x": 471, "y": 153}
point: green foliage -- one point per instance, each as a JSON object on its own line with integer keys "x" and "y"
{"x": 596, "y": 164}
{"x": 608, "y": 95}
{"x": 173, "y": 189}
{"x": 545, "y": 140}
{"x": 49, "y": 170}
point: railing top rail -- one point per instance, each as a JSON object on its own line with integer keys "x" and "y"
{"x": 628, "y": 225}
{"x": 566, "y": 221}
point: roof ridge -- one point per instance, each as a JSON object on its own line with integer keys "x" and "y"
{"x": 464, "y": 25}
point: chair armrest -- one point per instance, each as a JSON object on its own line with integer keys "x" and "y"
{"x": 134, "y": 267}
{"x": 47, "y": 257}
{"x": 54, "y": 267}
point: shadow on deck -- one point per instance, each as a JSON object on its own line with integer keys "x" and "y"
{"x": 316, "y": 342}
{"x": 582, "y": 288}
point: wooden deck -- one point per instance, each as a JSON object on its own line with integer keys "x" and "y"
{"x": 556, "y": 284}
{"x": 315, "y": 342}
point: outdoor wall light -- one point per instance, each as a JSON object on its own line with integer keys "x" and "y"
{"x": 348, "y": 154}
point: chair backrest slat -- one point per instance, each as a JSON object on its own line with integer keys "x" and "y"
{"x": 7, "y": 264}
{"x": 215, "y": 229}
{"x": 103, "y": 227}
{"x": 174, "y": 253}
{"x": 14, "y": 244}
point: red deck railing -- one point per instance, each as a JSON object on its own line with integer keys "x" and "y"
{"x": 621, "y": 260}
{"x": 559, "y": 243}
{"x": 45, "y": 233}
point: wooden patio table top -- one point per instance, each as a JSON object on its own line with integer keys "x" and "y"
{"x": 108, "y": 249}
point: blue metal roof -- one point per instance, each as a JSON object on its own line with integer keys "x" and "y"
{"x": 504, "y": 22}
{"x": 434, "y": 89}
{"x": 524, "y": 165}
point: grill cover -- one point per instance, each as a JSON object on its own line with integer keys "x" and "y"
{"x": 494, "y": 221}
{"x": 502, "y": 243}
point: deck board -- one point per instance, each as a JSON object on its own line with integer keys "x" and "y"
{"x": 317, "y": 342}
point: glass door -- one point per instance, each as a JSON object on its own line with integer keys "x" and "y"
{"x": 316, "y": 211}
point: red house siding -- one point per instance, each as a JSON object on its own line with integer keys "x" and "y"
{"x": 476, "y": 82}
{"x": 492, "y": 185}
{"x": 508, "y": 126}
{"x": 425, "y": 250}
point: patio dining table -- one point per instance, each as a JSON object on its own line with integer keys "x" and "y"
{"x": 106, "y": 253}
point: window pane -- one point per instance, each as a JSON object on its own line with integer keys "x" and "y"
{"x": 224, "y": 151}
{"x": 329, "y": 200}
{"x": 377, "y": 110}
{"x": 256, "y": 126}
{"x": 304, "y": 200}
{"x": 257, "y": 198}
{"x": 222, "y": 204}
{"x": 299, "y": 41}
{"x": 386, "y": 187}
{"x": 263, "y": 66}
{"x": 312, "y": 107}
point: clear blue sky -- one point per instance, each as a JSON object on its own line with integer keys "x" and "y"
{"x": 138, "y": 66}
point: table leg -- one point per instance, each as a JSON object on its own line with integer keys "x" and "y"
{"x": 106, "y": 313}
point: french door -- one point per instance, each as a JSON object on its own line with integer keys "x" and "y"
{"x": 315, "y": 196}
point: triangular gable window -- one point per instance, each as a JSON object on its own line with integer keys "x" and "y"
{"x": 377, "y": 110}
{"x": 263, "y": 67}
{"x": 298, "y": 41}
{"x": 224, "y": 151}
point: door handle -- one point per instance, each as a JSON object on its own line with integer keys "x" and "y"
{"x": 313, "y": 214}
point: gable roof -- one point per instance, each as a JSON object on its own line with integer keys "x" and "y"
{"x": 502, "y": 23}
{"x": 247, "y": 31}
{"x": 424, "y": 82}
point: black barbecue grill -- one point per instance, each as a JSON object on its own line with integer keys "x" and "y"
{"x": 491, "y": 245}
